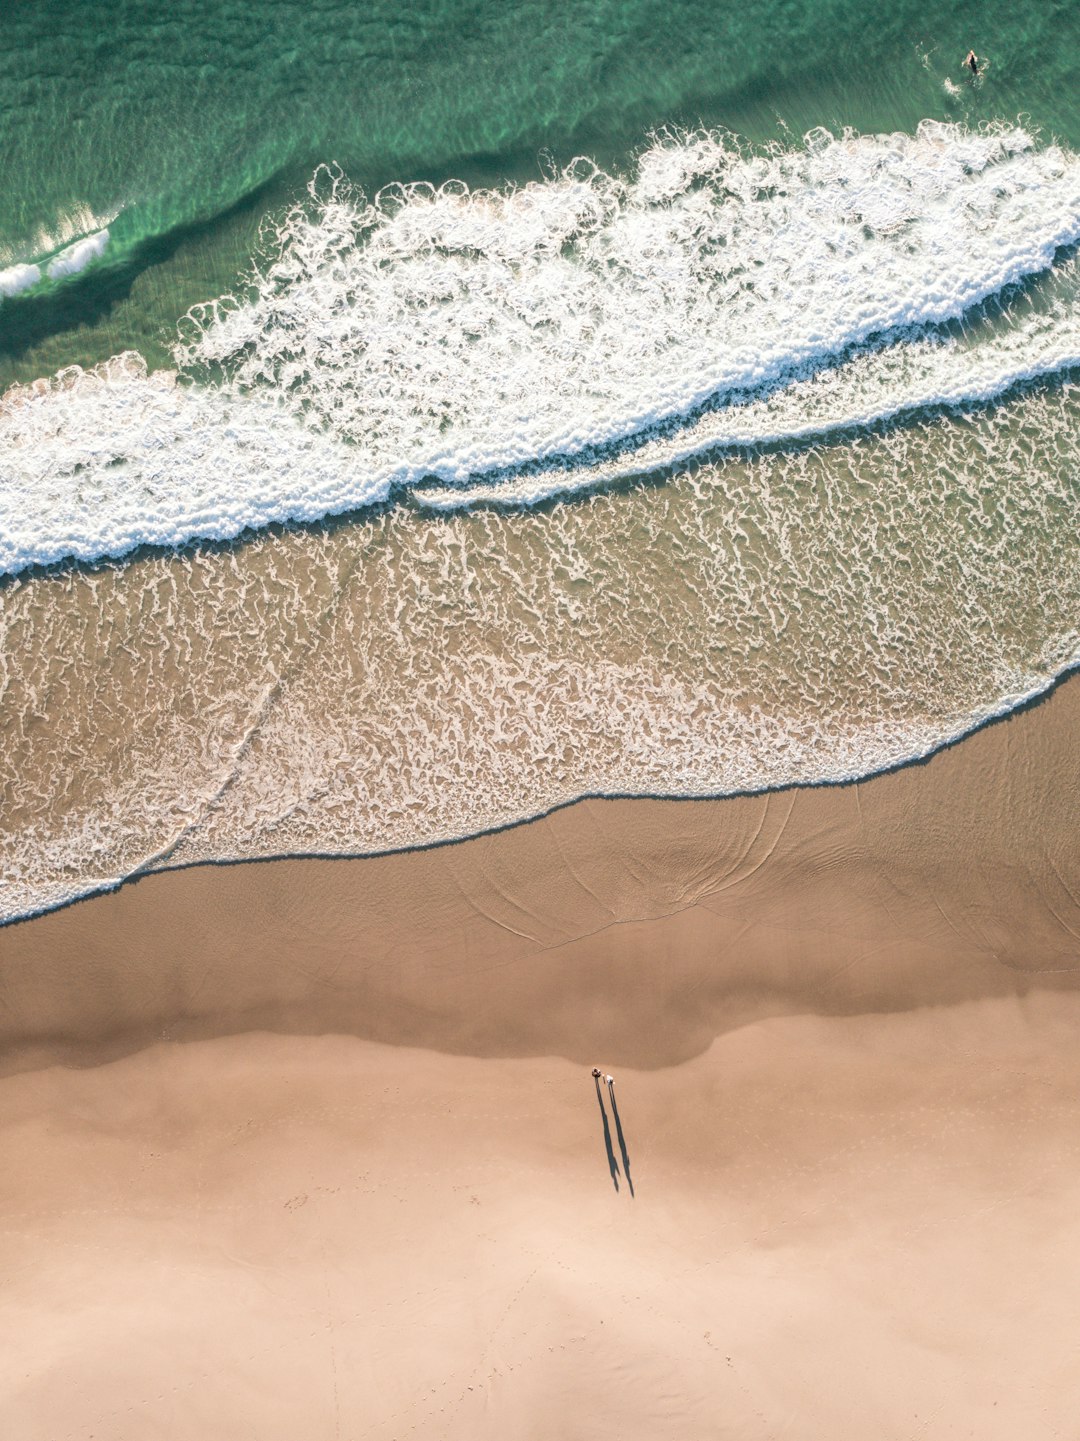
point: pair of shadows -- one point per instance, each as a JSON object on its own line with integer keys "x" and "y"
{"x": 613, "y": 1165}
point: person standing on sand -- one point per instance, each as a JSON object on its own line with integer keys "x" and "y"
{"x": 610, "y": 1081}
{"x": 596, "y": 1073}
{"x": 971, "y": 60}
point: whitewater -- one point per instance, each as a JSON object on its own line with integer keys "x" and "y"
{"x": 508, "y": 345}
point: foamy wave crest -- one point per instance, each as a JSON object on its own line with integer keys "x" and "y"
{"x": 96, "y": 463}
{"x": 76, "y": 239}
{"x": 913, "y": 373}
{"x": 18, "y": 277}
{"x": 78, "y": 256}
{"x": 469, "y": 340}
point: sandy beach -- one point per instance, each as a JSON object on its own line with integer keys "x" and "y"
{"x": 312, "y": 1148}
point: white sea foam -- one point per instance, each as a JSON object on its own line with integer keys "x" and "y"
{"x": 98, "y": 462}
{"x": 471, "y": 339}
{"x": 66, "y": 247}
{"x": 18, "y": 277}
{"x": 872, "y": 386}
{"x": 78, "y": 256}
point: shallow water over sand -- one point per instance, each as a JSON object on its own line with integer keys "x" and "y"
{"x": 801, "y": 616}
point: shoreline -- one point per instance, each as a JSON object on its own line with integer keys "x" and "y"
{"x": 1007, "y": 711}
{"x": 583, "y": 871}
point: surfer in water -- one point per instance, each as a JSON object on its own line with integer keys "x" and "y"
{"x": 971, "y": 60}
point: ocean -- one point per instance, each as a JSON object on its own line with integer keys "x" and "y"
{"x": 414, "y": 419}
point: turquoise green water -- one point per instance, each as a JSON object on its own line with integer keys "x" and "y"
{"x": 181, "y": 125}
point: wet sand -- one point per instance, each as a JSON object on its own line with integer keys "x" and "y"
{"x": 312, "y": 1149}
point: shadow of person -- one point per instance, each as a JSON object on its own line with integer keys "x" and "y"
{"x": 622, "y": 1138}
{"x": 613, "y": 1165}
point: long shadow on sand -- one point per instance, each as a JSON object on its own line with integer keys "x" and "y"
{"x": 622, "y": 1138}
{"x": 613, "y": 1165}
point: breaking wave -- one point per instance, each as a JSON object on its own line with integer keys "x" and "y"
{"x": 508, "y": 345}
{"x": 75, "y": 240}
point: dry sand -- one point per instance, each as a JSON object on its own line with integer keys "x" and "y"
{"x": 311, "y": 1150}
